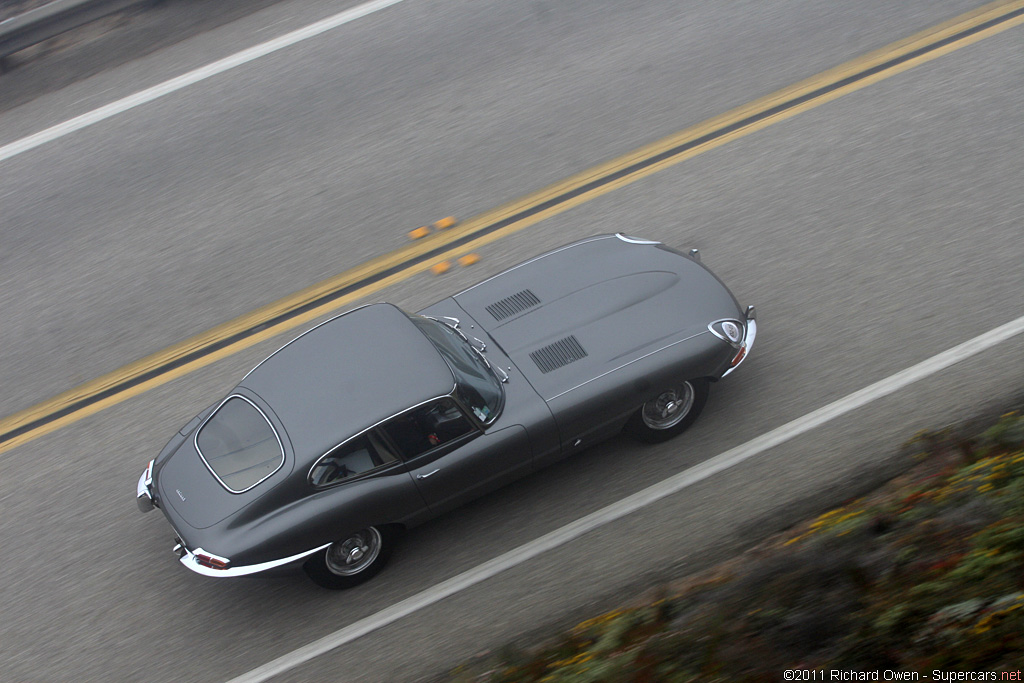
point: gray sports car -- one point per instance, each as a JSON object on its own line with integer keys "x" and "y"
{"x": 378, "y": 420}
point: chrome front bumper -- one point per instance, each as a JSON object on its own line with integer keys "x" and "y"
{"x": 747, "y": 343}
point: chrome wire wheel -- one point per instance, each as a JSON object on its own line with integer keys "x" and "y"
{"x": 354, "y": 554}
{"x": 669, "y": 408}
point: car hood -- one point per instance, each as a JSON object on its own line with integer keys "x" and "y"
{"x": 576, "y": 313}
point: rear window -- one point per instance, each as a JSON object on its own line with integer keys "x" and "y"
{"x": 239, "y": 446}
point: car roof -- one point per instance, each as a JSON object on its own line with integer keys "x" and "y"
{"x": 347, "y": 374}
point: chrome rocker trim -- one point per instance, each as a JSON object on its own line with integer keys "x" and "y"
{"x": 189, "y": 560}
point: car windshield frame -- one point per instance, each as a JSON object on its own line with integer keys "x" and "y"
{"x": 471, "y": 370}
{"x": 210, "y": 467}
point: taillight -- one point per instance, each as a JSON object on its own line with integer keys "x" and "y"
{"x": 211, "y": 561}
{"x": 738, "y": 357}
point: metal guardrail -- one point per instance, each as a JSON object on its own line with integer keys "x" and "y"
{"x": 53, "y": 19}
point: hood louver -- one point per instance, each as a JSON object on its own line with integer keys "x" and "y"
{"x": 558, "y": 354}
{"x": 513, "y": 305}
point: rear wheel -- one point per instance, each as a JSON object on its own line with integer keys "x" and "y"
{"x": 351, "y": 560}
{"x": 669, "y": 413}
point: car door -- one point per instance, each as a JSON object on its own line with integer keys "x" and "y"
{"x": 451, "y": 459}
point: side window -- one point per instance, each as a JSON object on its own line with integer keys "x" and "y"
{"x": 353, "y": 457}
{"x": 431, "y": 425}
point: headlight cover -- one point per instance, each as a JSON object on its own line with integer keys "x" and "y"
{"x": 728, "y": 330}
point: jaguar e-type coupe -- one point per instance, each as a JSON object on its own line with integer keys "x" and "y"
{"x": 378, "y": 419}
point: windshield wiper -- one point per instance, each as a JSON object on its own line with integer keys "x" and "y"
{"x": 503, "y": 376}
{"x": 493, "y": 368}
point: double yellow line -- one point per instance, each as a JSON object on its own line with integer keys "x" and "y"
{"x": 386, "y": 270}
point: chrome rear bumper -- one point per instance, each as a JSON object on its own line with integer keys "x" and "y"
{"x": 189, "y": 559}
{"x": 144, "y": 490}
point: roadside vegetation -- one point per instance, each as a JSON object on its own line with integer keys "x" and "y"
{"x": 926, "y": 573}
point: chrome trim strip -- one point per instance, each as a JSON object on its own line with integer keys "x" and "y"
{"x": 634, "y": 240}
{"x": 537, "y": 258}
{"x": 280, "y": 444}
{"x": 189, "y": 560}
{"x": 301, "y": 336}
{"x": 603, "y": 374}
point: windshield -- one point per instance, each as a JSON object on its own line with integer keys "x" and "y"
{"x": 475, "y": 384}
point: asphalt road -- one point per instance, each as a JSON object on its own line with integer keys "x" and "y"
{"x": 872, "y": 232}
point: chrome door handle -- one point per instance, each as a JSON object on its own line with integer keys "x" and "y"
{"x": 424, "y": 476}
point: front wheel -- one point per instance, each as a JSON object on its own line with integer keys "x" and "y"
{"x": 669, "y": 413}
{"x": 351, "y": 560}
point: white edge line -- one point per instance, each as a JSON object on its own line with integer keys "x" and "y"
{"x": 192, "y": 77}
{"x": 638, "y": 500}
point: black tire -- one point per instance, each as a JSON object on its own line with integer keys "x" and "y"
{"x": 670, "y": 413}
{"x": 352, "y": 560}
